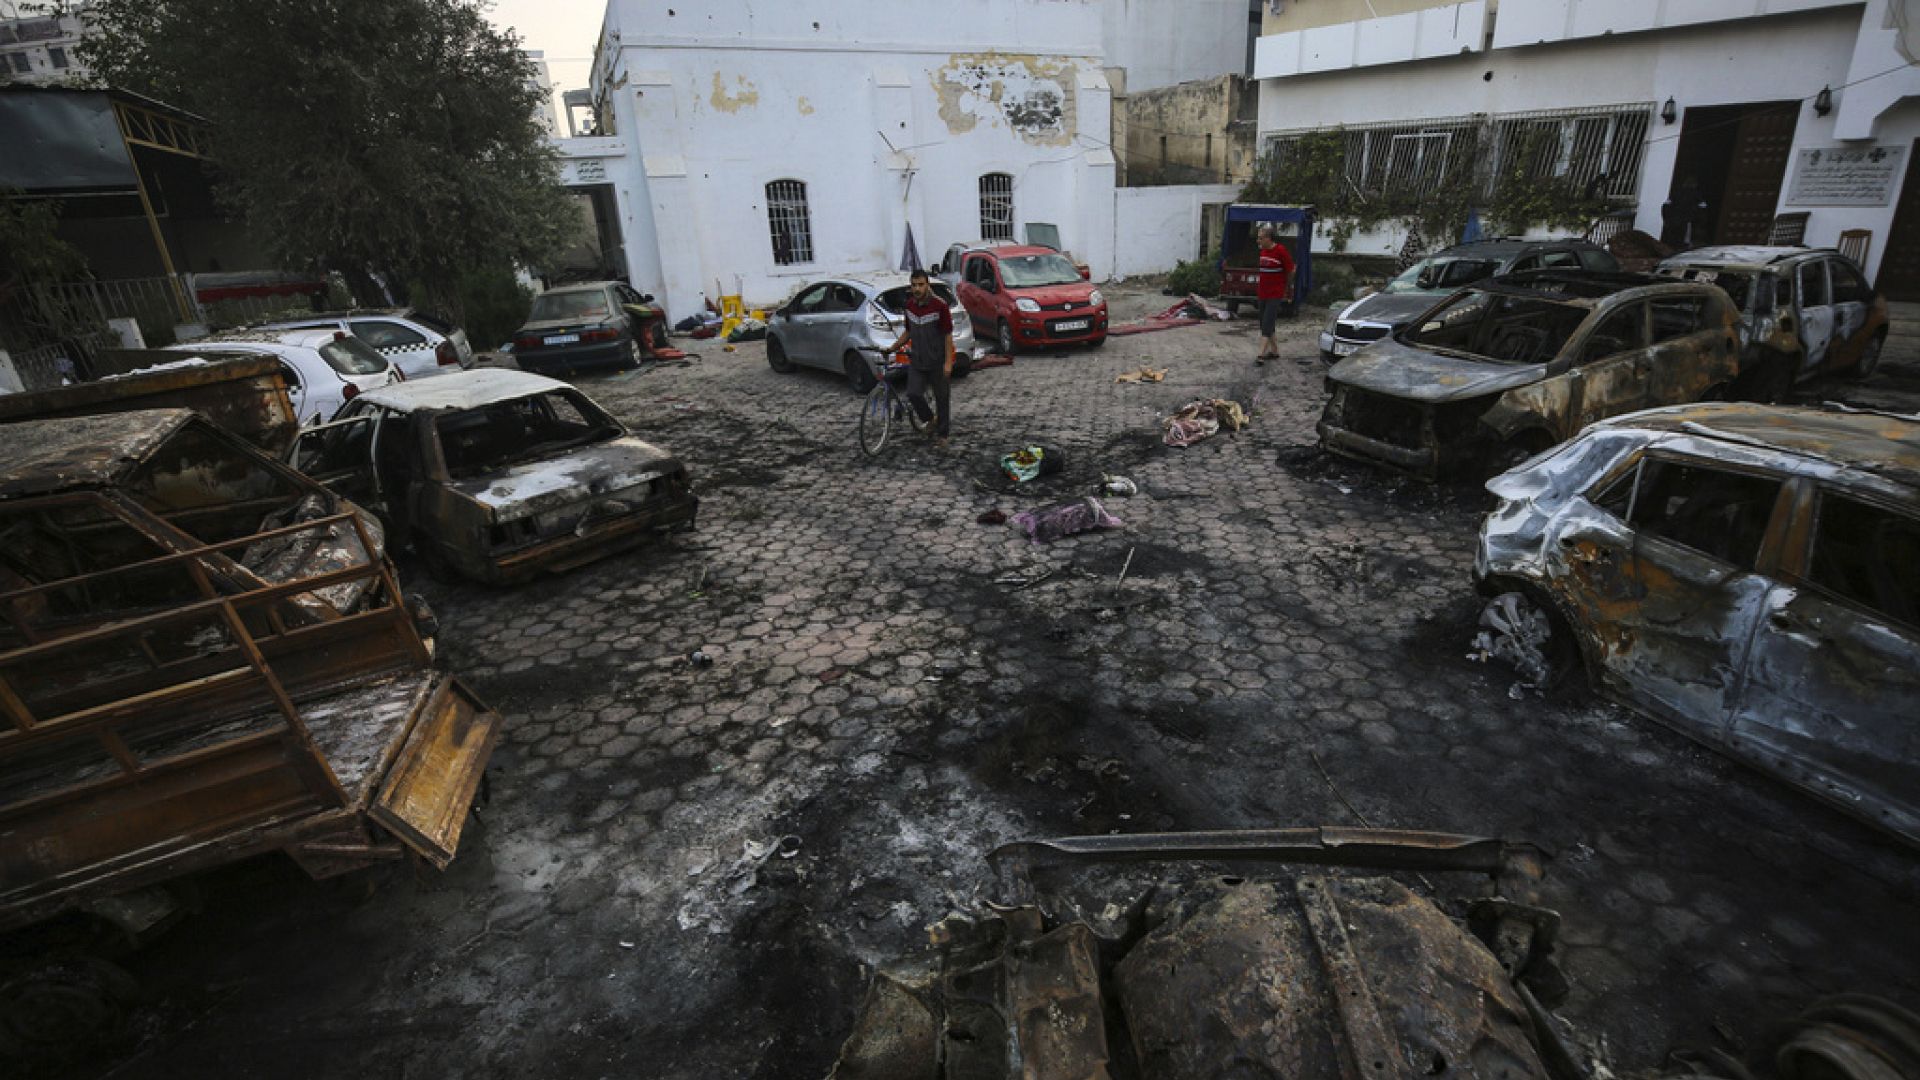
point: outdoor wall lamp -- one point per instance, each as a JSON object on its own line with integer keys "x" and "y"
{"x": 1823, "y": 101}
{"x": 1668, "y": 112}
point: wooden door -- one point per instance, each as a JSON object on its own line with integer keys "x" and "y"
{"x": 1900, "y": 266}
{"x": 1762, "y": 145}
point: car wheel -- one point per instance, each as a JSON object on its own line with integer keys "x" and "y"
{"x": 777, "y": 356}
{"x": 859, "y": 373}
{"x": 1003, "y": 338}
{"x": 1869, "y": 357}
{"x": 1517, "y": 628}
{"x": 634, "y": 353}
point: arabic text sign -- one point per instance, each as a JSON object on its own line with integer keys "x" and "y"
{"x": 1845, "y": 175}
{"x": 583, "y": 171}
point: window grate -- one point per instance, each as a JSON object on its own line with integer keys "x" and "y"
{"x": 791, "y": 226}
{"x": 996, "y": 206}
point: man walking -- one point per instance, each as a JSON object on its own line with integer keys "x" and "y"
{"x": 930, "y": 330}
{"x": 1276, "y": 274}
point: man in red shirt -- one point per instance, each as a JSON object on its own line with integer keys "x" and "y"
{"x": 930, "y": 329}
{"x": 1276, "y": 278}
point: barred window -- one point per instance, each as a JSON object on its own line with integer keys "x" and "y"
{"x": 1595, "y": 149}
{"x": 996, "y": 206}
{"x": 788, "y": 219}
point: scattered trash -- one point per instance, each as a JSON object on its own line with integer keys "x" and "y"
{"x": 748, "y": 330}
{"x": 727, "y": 348}
{"x": 1118, "y": 485}
{"x": 699, "y": 659}
{"x": 1033, "y": 462}
{"x": 993, "y": 517}
{"x": 991, "y": 360}
{"x": 1124, "y": 567}
{"x": 1191, "y": 311}
{"x": 1515, "y": 630}
{"x": 1142, "y": 375}
{"x": 1051, "y": 522}
{"x": 1016, "y": 582}
{"x": 691, "y": 322}
{"x": 626, "y": 944}
{"x": 1202, "y": 419}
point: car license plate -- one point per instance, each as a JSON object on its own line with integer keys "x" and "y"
{"x": 1071, "y": 324}
{"x": 1344, "y": 348}
{"x": 563, "y": 339}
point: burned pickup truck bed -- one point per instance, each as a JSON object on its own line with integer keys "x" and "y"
{"x": 204, "y": 656}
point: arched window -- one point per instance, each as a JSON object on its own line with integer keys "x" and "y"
{"x": 788, "y": 219}
{"x": 996, "y": 206}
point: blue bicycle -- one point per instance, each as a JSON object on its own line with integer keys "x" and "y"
{"x": 887, "y": 403}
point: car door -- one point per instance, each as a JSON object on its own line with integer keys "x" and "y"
{"x": 1693, "y": 350}
{"x": 837, "y": 313}
{"x": 404, "y": 347}
{"x": 297, "y": 393}
{"x": 1665, "y": 577}
{"x": 980, "y": 291}
{"x": 1814, "y": 315}
{"x": 800, "y": 333}
{"x": 1852, "y": 301}
{"x": 949, "y": 269}
{"x": 1609, "y": 373}
{"x": 1834, "y": 672}
{"x": 339, "y": 455}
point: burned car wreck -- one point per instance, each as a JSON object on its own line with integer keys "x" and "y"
{"x": 1504, "y": 369}
{"x": 1749, "y": 575}
{"x": 499, "y": 475}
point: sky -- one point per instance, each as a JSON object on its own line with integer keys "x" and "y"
{"x": 563, "y": 29}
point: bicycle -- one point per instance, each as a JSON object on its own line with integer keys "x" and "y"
{"x": 887, "y": 403}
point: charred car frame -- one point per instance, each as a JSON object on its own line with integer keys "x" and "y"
{"x": 1748, "y": 575}
{"x": 1506, "y": 368}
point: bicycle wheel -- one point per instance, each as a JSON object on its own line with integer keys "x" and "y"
{"x": 876, "y": 419}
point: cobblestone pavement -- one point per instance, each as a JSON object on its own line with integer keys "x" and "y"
{"x": 1287, "y": 647}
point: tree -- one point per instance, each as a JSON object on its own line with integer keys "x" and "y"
{"x": 395, "y": 136}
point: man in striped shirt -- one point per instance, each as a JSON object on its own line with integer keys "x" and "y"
{"x": 1276, "y": 274}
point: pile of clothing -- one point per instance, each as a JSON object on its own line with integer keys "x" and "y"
{"x": 1202, "y": 420}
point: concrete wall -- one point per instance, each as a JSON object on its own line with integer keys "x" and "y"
{"x": 1297, "y": 15}
{"x": 1156, "y": 227}
{"x": 1164, "y": 42}
{"x": 1194, "y": 132}
{"x": 1425, "y": 34}
{"x": 889, "y": 114}
{"x": 1726, "y": 62}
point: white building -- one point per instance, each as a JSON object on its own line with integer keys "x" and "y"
{"x": 43, "y": 47}
{"x": 539, "y": 79}
{"x": 1780, "y": 115}
{"x": 747, "y": 148}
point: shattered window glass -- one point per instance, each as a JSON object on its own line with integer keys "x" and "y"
{"x": 1722, "y": 515}
{"x": 1508, "y": 329}
{"x": 1677, "y": 317}
{"x": 522, "y": 429}
{"x": 1868, "y": 556}
{"x": 1622, "y": 330}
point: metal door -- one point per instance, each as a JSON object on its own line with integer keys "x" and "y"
{"x": 1814, "y": 315}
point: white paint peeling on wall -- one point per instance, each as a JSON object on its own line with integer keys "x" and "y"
{"x": 1031, "y": 95}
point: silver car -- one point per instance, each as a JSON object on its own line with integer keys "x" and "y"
{"x": 828, "y": 322}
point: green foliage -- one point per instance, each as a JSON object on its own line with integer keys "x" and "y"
{"x": 30, "y": 247}
{"x": 496, "y": 304}
{"x": 1313, "y": 171}
{"x": 396, "y": 136}
{"x": 1200, "y": 278}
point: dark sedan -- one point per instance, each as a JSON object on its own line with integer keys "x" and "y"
{"x": 589, "y": 325}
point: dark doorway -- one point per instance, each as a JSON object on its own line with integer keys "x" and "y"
{"x": 597, "y": 252}
{"x": 1900, "y": 266}
{"x": 1727, "y": 173}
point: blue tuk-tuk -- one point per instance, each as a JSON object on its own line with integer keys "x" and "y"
{"x": 1240, "y": 252}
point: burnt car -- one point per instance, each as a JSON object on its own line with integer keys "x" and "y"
{"x": 499, "y": 475}
{"x": 1802, "y": 312}
{"x": 1414, "y": 290}
{"x": 1748, "y": 574}
{"x": 1506, "y": 368}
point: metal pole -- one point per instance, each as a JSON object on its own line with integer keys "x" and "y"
{"x": 153, "y": 223}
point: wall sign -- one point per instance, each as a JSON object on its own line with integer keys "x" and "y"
{"x": 1845, "y": 175}
{"x": 584, "y": 171}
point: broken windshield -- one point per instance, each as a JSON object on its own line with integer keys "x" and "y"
{"x": 1027, "y": 271}
{"x": 1501, "y": 328}
{"x": 507, "y": 432}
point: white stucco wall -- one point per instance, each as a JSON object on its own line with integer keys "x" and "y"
{"x": 1727, "y": 62}
{"x": 889, "y": 115}
{"x": 1163, "y": 42}
{"x": 1157, "y": 227}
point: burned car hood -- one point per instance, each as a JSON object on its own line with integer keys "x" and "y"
{"x": 1391, "y": 308}
{"x": 533, "y": 487}
{"x": 1390, "y": 367}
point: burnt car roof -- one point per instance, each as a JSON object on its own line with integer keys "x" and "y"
{"x": 1576, "y": 286}
{"x": 1884, "y": 444}
{"x": 1509, "y": 245}
{"x": 461, "y": 390}
{"x": 1743, "y": 256}
{"x": 73, "y": 452}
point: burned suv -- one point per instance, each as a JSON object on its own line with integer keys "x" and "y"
{"x": 1749, "y": 575}
{"x": 1802, "y": 312}
{"x": 1504, "y": 369}
{"x": 499, "y": 475}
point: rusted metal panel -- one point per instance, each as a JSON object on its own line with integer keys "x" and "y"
{"x": 247, "y": 397}
{"x": 432, "y": 782}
